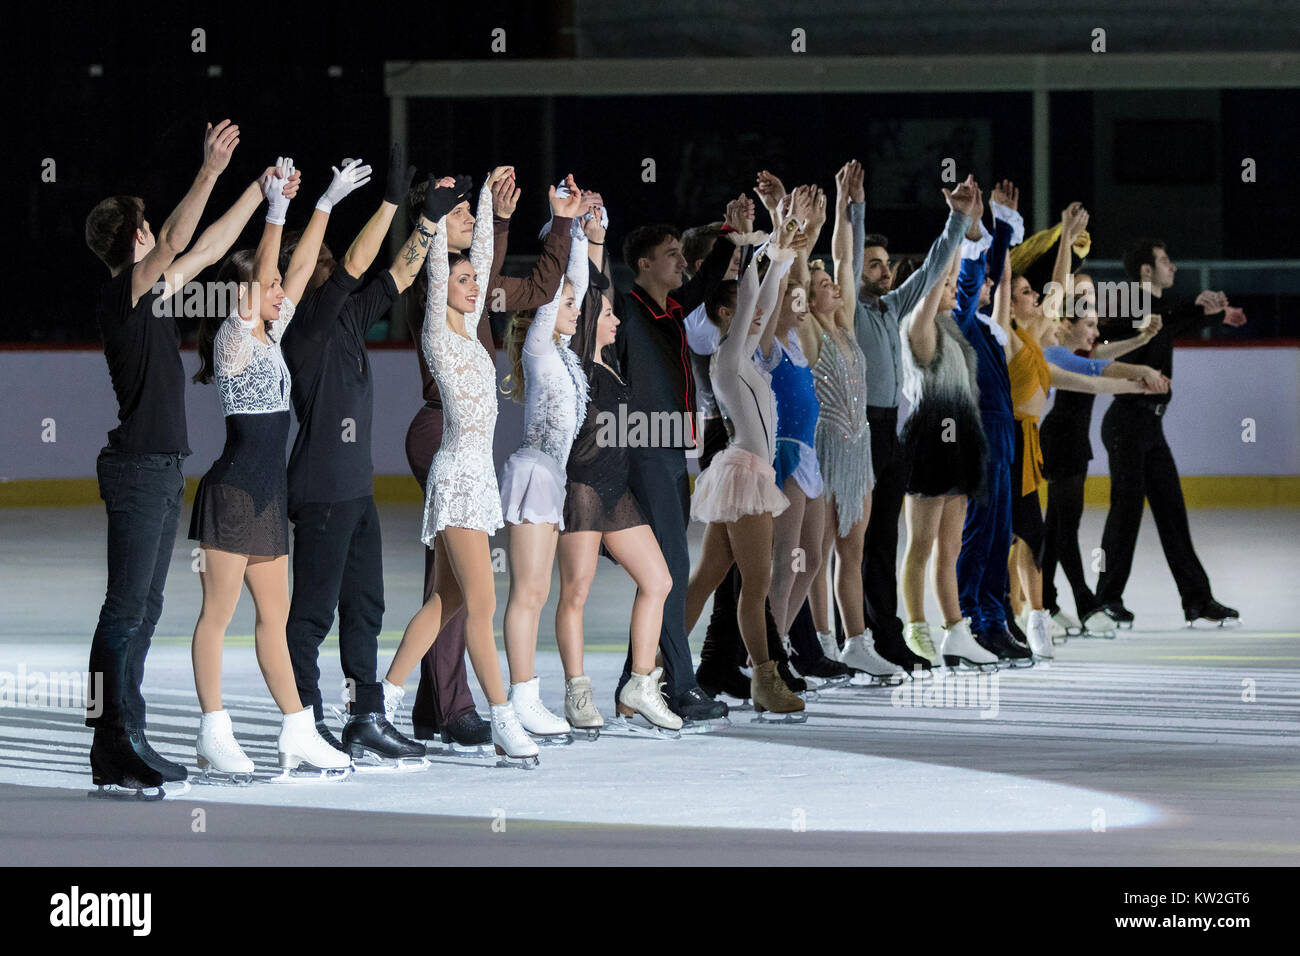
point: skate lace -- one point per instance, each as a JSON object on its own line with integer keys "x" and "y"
{"x": 925, "y": 642}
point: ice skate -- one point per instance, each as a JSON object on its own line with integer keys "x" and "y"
{"x": 830, "y": 646}
{"x": 304, "y": 755}
{"x": 542, "y": 725}
{"x": 220, "y": 758}
{"x": 374, "y": 744}
{"x": 1213, "y": 612}
{"x": 774, "y": 702}
{"x": 812, "y": 684}
{"x": 642, "y": 694}
{"x": 119, "y": 772}
{"x": 699, "y": 714}
{"x": 171, "y": 772}
{"x": 327, "y": 735}
{"x": 1099, "y": 624}
{"x": 918, "y": 640}
{"x": 580, "y": 708}
{"x": 1009, "y": 651}
{"x": 1121, "y": 615}
{"x": 960, "y": 649}
{"x": 1065, "y": 625}
{"x": 1039, "y": 632}
{"x": 510, "y": 740}
{"x": 715, "y": 679}
{"x": 467, "y": 735}
{"x": 860, "y": 655}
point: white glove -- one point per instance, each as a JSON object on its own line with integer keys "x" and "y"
{"x": 349, "y": 178}
{"x": 277, "y": 204}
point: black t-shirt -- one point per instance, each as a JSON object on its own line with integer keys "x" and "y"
{"x": 333, "y": 392}
{"x": 1179, "y": 317}
{"x": 144, "y": 362}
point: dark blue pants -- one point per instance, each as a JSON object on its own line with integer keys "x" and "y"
{"x": 337, "y": 562}
{"x": 982, "y": 582}
{"x": 142, "y": 495}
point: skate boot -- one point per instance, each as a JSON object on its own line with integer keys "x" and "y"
{"x": 999, "y": 641}
{"x": 1065, "y": 625}
{"x": 860, "y": 655}
{"x": 773, "y": 701}
{"x": 171, "y": 772}
{"x": 327, "y": 735}
{"x": 960, "y": 649}
{"x": 642, "y": 695}
{"x": 1212, "y": 611}
{"x": 304, "y": 755}
{"x": 715, "y": 678}
{"x": 776, "y": 651}
{"x": 830, "y": 646}
{"x": 1039, "y": 631}
{"x": 219, "y": 756}
{"x": 374, "y": 744}
{"x": 831, "y": 673}
{"x": 699, "y": 713}
{"x": 541, "y": 724}
{"x": 1121, "y": 615}
{"x": 119, "y": 772}
{"x": 892, "y": 647}
{"x": 580, "y": 709}
{"x": 812, "y": 683}
{"x": 467, "y": 734}
{"x": 510, "y": 740}
{"x": 918, "y": 640}
{"x": 1099, "y": 624}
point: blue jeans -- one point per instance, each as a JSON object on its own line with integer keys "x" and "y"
{"x": 142, "y": 495}
{"x": 982, "y": 579}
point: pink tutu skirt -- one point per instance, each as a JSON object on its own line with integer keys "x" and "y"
{"x": 736, "y": 483}
{"x": 532, "y": 489}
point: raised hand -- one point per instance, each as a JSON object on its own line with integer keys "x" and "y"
{"x": 592, "y": 222}
{"x": 768, "y": 189}
{"x": 1074, "y": 220}
{"x": 571, "y": 205}
{"x": 965, "y": 199}
{"x": 505, "y": 196}
{"x": 740, "y": 214}
{"x": 857, "y": 176}
{"x": 277, "y": 203}
{"x": 218, "y": 143}
{"x": 802, "y": 205}
{"x": 399, "y": 179}
{"x": 444, "y": 195}
{"x": 291, "y": 187}
{"x": 352, "y": 176}
{"x": 817, "y": 218}
{"x": 1006, "y": 194}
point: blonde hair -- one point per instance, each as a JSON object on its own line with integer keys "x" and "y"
{"x": 516, "y": 332}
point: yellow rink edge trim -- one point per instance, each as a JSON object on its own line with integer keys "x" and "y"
{"x": 1200, "y": 491}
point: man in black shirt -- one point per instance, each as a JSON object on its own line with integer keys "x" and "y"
{"x": 337, "y": 551}
{"x": 139, "y": 471}
{"x": 1141, "y": 464}
{"x": 654, "y": 355}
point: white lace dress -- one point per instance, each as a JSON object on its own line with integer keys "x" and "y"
{"x": 241, "y": 505}
{"x": 555, "y": 402}
{"x": 462, "y": 488}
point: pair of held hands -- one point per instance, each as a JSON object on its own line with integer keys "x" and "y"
{"x": 447, "y": 193}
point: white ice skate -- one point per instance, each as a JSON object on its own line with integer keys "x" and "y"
{"x": 813, "y": 684}
{"x": 830, "y": 646}
{"x": 1039, "y": 634}
{"x": 548, "y": 729}
{"x": 960, "y": 649}
{"x": 918, "y": 641}
{"x": 510, "y": 740}
{"x": 1065, "y": 625}
{"x": 580, "y": 708}
{"x": 1099, "y": 624}
{"x": 219, "y": 756}
{"x": 304, "y": 754}
{"x": 642, "y": 694}
{"x": 860, "y": 654}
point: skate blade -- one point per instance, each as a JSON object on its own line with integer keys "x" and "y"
{"x": 113, "y": 791}
{"x": 830, "y": 683}
{"x": 588, "y": 734}
{"x": 622, "y": 726}
{"x": 519, "y": 763}
{"x": 700, "y": 727}
{"x": 373, "y": 763}
{"x": 215, "y": 778}
{"x": 304, "y": 773}
{"x": 964, "y": 665}
{"x": 735, "y": 703}
{"x": 1226, "y": 624}
{"x": 768, "y": 717}
{"x": 474, "y": 751}
{"x": 553, "y": 740}
{"x": 863, "y": 679}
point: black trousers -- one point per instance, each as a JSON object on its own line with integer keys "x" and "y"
{"x": 1142, "y": 467}
{"x": 880, "y": 553}
{"x": 337, "y": 562}
{"x": 659, "y": 481}
{"x": 1061, "y": 544}
{"x": 142, "y": 495}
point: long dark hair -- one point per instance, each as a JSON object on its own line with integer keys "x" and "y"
{"x": 238, "y": 268}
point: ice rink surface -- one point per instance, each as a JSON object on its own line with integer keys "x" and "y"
{"x": 1164, "y": 746}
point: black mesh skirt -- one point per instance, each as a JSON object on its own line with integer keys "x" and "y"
{"x": 242, "y": 502}
{"x": 584, "y": 510}
{"x": 943, "y": 448}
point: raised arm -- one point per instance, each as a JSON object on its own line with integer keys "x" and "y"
{"x": 740, "y": 219}
{"x": 799, "y": 273}
{"x": 1002, "y": 309}
{"x": 215, "y": 241}
{"x": 737, "y": 345}
{"x": 365, "y": 247}
{"x": 966, "y": 208}
{"x": 174, "y": 234}
{"x": 435, "y": 302}
{"x": 845, "y": 258}
{"x": 480, "y": 256}
{"x": 922, "y": 333}
{"x": 1074, "y": 219}
{"x": 540, "y": 338}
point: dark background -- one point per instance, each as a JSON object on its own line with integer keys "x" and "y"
{"x": 1164, "y": 163}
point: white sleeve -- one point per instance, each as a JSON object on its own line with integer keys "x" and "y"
{"x": 232, "y": 347}
{"x": 701, "y": 334}
{"x": 480, "y": 257}
{"x": 435, "y": 303}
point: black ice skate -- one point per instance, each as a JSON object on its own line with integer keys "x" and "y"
{"x": 171, "y": 772}
{"x": 1214, "y": 612}
{"x": 327, "y": 735}
{"x": 1118, "y": 613}
{"x": 699, "y": 713}
{"x": 1009, "y": 650}
{"x": 374, "y": 744}
{"x": 119, "y": 772}
{"x": 716, "y": 678}
{"x": 893, "y": 648}
{"x": 466, "y": 735}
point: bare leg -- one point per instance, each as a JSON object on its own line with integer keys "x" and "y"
{"x": 751, "y": 546}
{"x": 923, "y": 517}
{"x": 471, "y": 559}
{"x": 1031, "y": 576}
{"x": 532, "y": 555}
{"x": 848, "y": 573}
{"x": 638, "y": 552}
{"x": 810, "y": 539}
{"x": 715, "y": 561}
{"x": 579, "y": 552}
{"x": 268, "y": 583}
{"x": 787, "y": 530}
{"x": 945, "y": 566}
{"x": 444, "y": 600}
{"x": 818, "y": 597}
{"x": 222, "y": 579}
